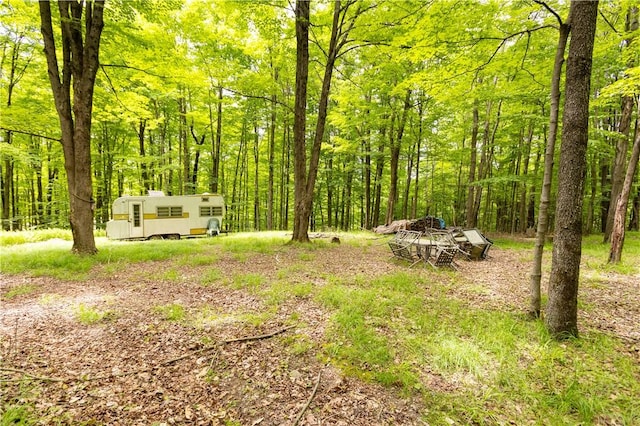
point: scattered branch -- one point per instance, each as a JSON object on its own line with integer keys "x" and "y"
{"x": 135, "y": 69}
{"x": 29, "y": 134}
{"x": 141, "y": 370}
{"x": 608, "y": 23}
{"x": 550, "y": 10}
{"x": 313, "y": 394}
{"x": 264, "y": 98}
{"x": 28, "y": 375}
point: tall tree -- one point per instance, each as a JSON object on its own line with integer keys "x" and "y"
{"x": 301, "y": 216}
{"x": 305, "y": 180}
{"x": 73, "y": 95}
{"x": 545, "y": 195}
{"x": 562, "y": 310}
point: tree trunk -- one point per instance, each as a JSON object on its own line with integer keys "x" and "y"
{"x": 593, "y": 182}
{"x": 471, "y": 219}
{"x": 215, "y": 144}
{"x": 416, "y": 191}
{"x": 80, "y": 65}
{"x": 622, "y": 143}
{"x": 272, "y": 154}
{"x": 305, "y": 182}
{"x": 301, "y": 216}
{"x": 634, "y": 223}
{"x": 375, "y": 219}
{"x": 619, "y": 163}
{"x": 196, "y": 161}
{"x": 407, "y": 188}
{"x": 617, "y": 233}
{"x": 396, "y": 142}
{"x": 545, "y": 195}
{"x": 562, "y": 310}
{"x": 256, "y": 192}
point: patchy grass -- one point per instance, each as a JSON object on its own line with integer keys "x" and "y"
{"x": 19, "y": 290}
{"x": 171, "y": 312}
{"x": 407, "y": 331}
{"x": 90, "y": 315}
{"x": 9, "y": 238}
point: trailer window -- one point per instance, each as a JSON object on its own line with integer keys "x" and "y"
{"x": 136, "y": 215}
{"x": 206, "y": 211}
{"x": 169, "y": 211}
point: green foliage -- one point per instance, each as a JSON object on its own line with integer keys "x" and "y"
{"x": 171, "y": 312}
{"x": 90, "y": 315}
{"x": 16, "y": 415}
{"x": 249, "y": 281}
{"x": 211, "y": 276}
{"x": 23, "y": 237}
{"x": 415, "y": 329}
{"x": 19, "y": 291}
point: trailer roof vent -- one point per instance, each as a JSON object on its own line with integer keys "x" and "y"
{"x": 153, "y": 193}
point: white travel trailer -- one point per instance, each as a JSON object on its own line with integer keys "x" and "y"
{"x": 160, "y": 216}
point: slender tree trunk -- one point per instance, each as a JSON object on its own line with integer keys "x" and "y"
{"x": 347, "y": 196}
{"x": 80, "y": 47}
{"x": 471, "y": 219}
{"x": 199, "y": 141}
{"x": 593, "y": 182}
{"x": 272, "y": 154}
{"x": 396, "y": 143}
{"x": 605, "y": 193}
{"x": 217, "y": 142}
{"x": 378, "y": 179}
{"x": 562, "y": 310}
{"x": 256, "y": 182}
{"x": 545, "y": 195}
{"x": 634, "y": 223}
{"x": 622, "y": 144}
{"x": 617, "y": 233}
{"x": 407, "y": 188}
{"x": 416, "y": 191}
{"x": 366, "y": 147}
{"x": 523, "y": 191}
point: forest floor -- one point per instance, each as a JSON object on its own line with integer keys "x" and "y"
{"x": 142, "y": 364}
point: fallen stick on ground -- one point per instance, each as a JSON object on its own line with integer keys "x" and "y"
{"x": 313, "y": 394}
{"x": 26, "y": 374}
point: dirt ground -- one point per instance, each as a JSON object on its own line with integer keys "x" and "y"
{"x": 139, "y": 368}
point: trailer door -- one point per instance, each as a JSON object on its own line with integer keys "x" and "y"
{"x": 136, "y": 228}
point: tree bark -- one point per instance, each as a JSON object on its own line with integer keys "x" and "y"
{"x": 622, "y": 144}
{"x": 634, "y": 223}
{"x": 471, "y": 219}
{"x": 305, "y": 182}
{"x": 395, "y": 156}
{"x": 256, "y": 191}
{"x": 301, "y": 216}
{"x": 272, "y": 154}
{"x": 79, "y": 66}
{"x": 562, "y": 310}
{"x": 215, "y": 143}
{"x": 617, "y": 232}
{"x": 545, "y": 195}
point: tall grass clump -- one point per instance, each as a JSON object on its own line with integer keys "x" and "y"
{"x": 41, "y": 260}
{"x": 10, "y": 238}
